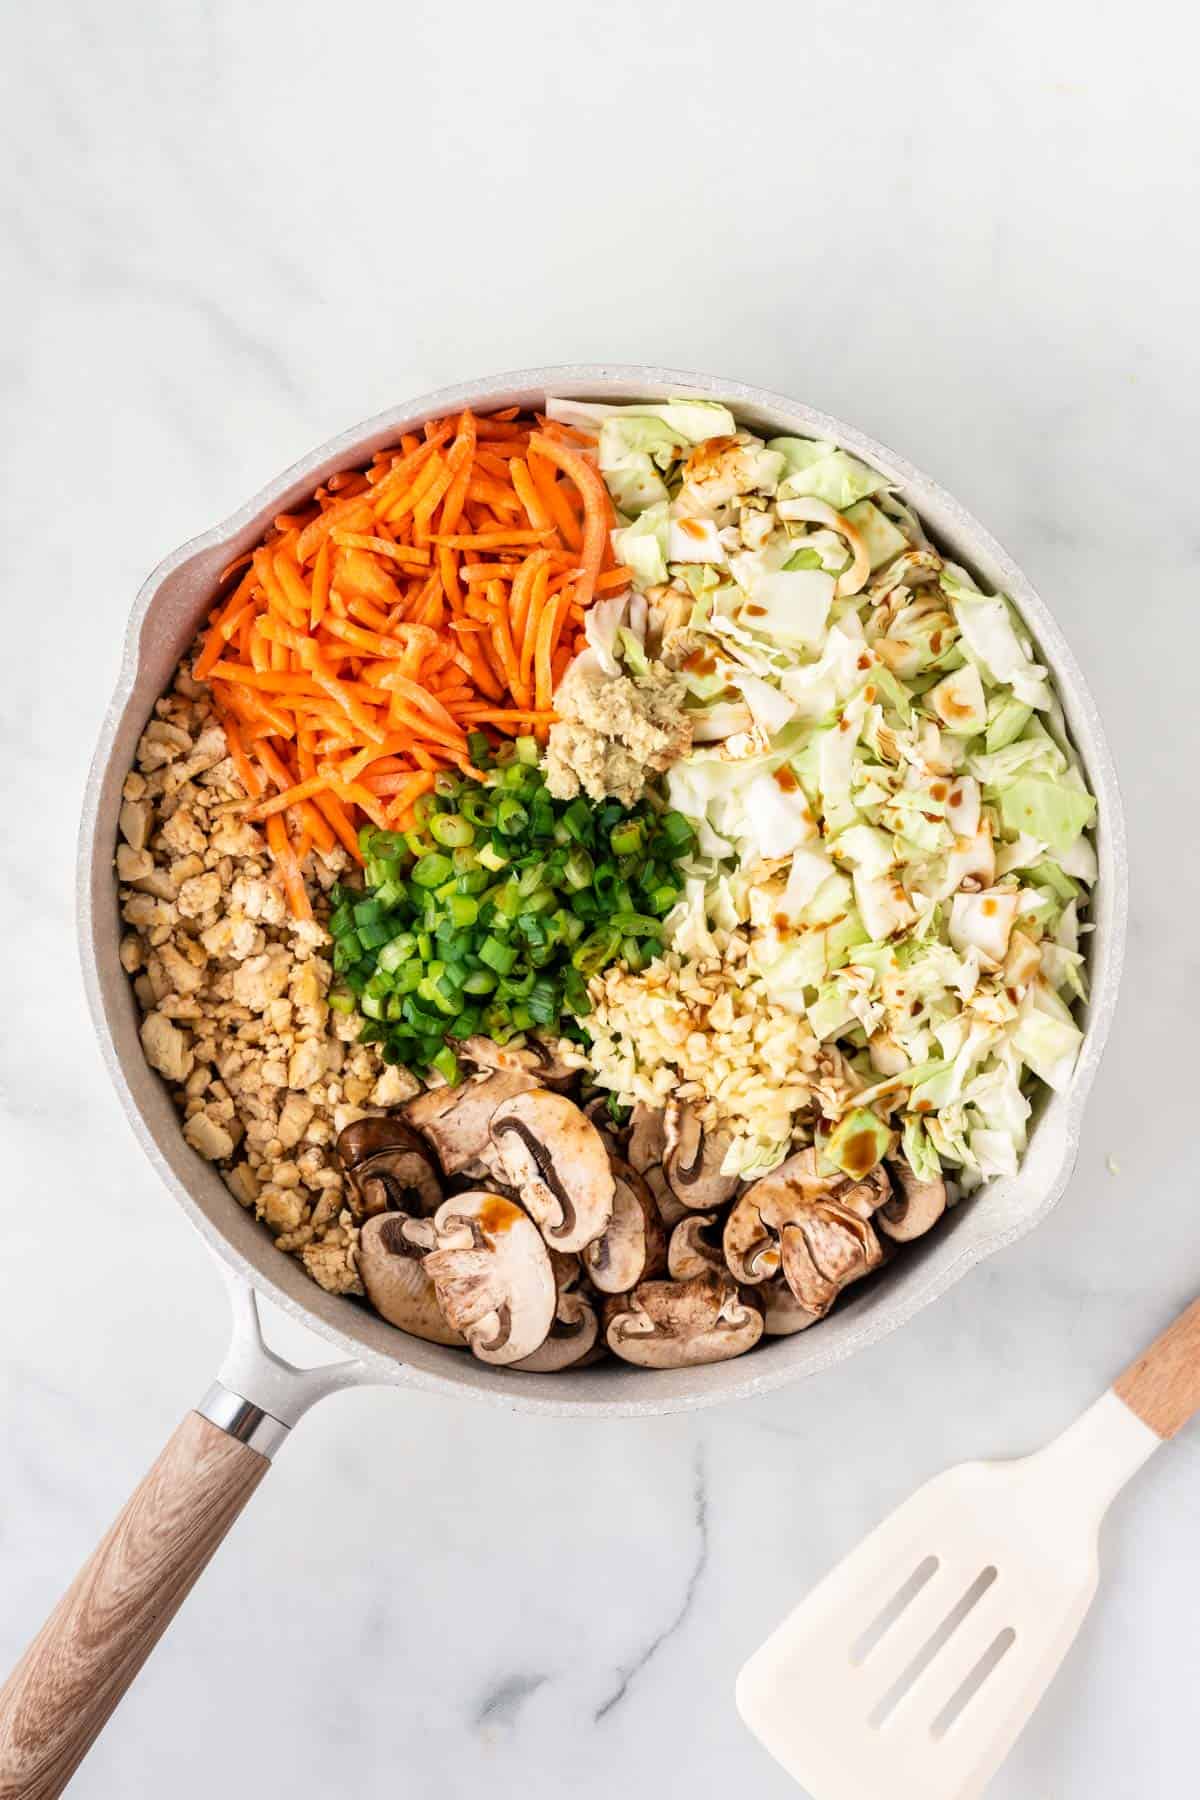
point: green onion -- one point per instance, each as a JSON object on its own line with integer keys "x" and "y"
{"x": 496, "y": 955}
{"x": 451, "y": 830}
{"x": 396, "y": 951}
{"x": 495, "y": 911}
{"x": 626, "y": 840}
{"x": 446, "y": 1064}
{"x": 431, "y": 871}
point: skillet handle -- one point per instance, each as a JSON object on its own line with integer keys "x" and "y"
{"x": 1163, "y": 1385}
{"x": 61, "y": 1693}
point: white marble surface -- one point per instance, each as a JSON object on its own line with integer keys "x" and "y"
{"x": 229, "y": 230}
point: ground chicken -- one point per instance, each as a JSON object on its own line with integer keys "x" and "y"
{"x": 613, "y": 733}
{"x": 166, "y": 1047}
{"x": 235, "y": 991}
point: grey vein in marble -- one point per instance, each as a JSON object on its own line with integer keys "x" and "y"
{"x": 629, "y": 1674}
{"x": 502, "y": 1704}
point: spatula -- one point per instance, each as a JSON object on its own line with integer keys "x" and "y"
{"x": 909, "y": 1671}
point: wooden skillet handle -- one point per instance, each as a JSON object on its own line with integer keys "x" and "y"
{"x": 77, "y": 1668}
{"x": 1163, "y": 1386}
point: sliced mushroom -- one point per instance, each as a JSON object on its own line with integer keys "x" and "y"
{"x": 695, "y": 1246}
{"x": 755, "y": 1227}
{"x": 751, "y": 1237}
{"x": 692, "y": 1164}
{"x": 557, "y": 1159}
{"x": 634, "y": 1246}
{"x": 915, "y": 1209}
{"x": 533, "y": 1055}
{"x": 389, "y": 1167}
{"x": 783, "y": 1314}
{"x": 575, "y": 1333}
{"x": 813, "y": 1228}
{"x": 552, "y": 1066}
{"x": 493, "y": 1277}
{"x": 824, "y": 1250}
{"x": 456, "y": 1119}
{"x": 670, "y": 1208}
{"x": 485, "y": 1053}
{"x": 647, "y": 1137}
{"x": 391, "y": 1261}
{"x": 615, "y": 1136}
{"x": 678, "y": 1324}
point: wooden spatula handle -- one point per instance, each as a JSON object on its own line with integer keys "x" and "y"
{"x": 61, "y": 1693}
{"x": 1163, "y": 1386}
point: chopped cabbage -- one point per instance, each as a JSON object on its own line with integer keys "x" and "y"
{"x": 988, "y": 631}
{"x": 837, "y": 478}
{"x": 885, "y": 799}
{"x": 642, "y": 546}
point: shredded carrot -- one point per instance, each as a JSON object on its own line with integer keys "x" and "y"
{"x": 597, "y": 507}
{"x": 249, "y": 776}
{"x": 291, "y": 796}
{"x": 441, "y": 590}
{"x": 288, "y": 866}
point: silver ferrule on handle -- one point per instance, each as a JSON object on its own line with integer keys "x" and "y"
{"x": 241, "y": 1419}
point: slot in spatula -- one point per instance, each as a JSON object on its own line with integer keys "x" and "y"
{"x": 911, "y": 1668}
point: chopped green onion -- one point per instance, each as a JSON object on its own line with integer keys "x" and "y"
{"x": 495, "y": 911}
{"x": 432, "y": 870}
{"x": 449, "y": 829}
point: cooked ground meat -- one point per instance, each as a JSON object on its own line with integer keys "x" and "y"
{"x": 612, "y": 734}
{"x": 234, "y": 991}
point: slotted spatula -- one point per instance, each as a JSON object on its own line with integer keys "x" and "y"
{"x": 909, "y": 1671}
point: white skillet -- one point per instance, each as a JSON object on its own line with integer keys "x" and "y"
{"x": 92, "y": 1646}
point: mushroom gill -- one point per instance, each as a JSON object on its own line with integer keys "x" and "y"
{"x": 391, "y": 1264}
{"x": 692, "y": 1163}
{"x": 680, "y": 1324}
{"x": 633, "y": 1245}
{"x": 557, "y": 1161}
{"x": 493, "y": 1276}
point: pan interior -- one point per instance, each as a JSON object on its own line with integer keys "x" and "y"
{"x": 164, "y": 620}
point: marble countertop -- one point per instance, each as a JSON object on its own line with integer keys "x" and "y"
{"x": 228, "y": 231}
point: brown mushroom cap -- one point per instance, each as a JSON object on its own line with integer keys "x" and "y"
{"x": 695, "y": 1246}
{"x": 557, "y": 1160}
{"x": 755, "y": 1225}
{"x": 692, "y": 1164}
{"x": 391, "y": 1253}
{"x": 915, "y": 1209}
{"x": 493, "y": 1276}
{"x": 575, "y": 1333}
{"x": 783, "y": 1314}
{"x": 647, "y": 1137}
{"x": 679, "y": 1324}
{"x": 456, "y": 1119}
{"x": 367, "y": 1137}
{"x": 814, "y": 1228}
{"x": 389, "y": 1166}
{"x": 634, "y": 1245}
{"x": 825, "y": 1250}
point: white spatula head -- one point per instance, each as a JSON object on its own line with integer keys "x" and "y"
{"x": 910, "y": 1669}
